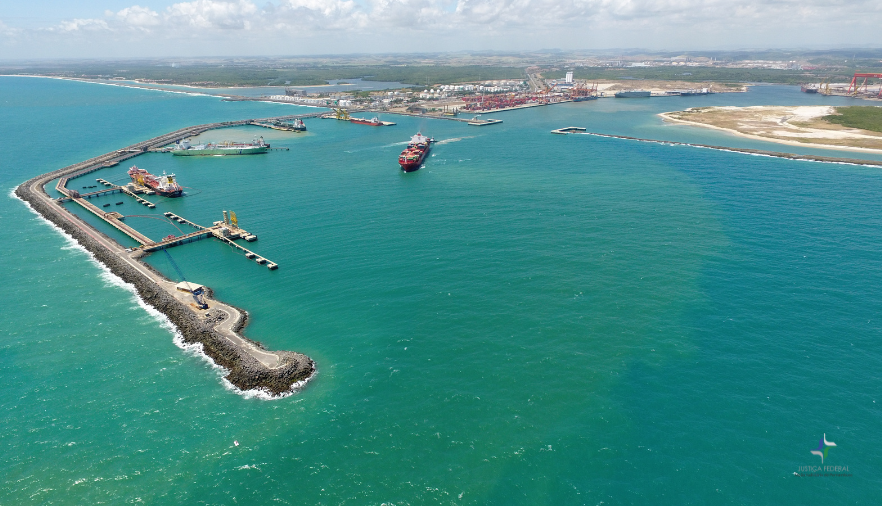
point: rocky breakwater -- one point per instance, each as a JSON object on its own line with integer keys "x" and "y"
{"x": 220, "y": 340}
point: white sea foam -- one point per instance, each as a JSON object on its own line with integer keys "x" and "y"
{"x": 144, "y": 87}
{"x": 194, "y": 349}
{"x": 455, "y": 139}
{"x": 403, "y": 143}
{"x": 109, "y": 278}
{"x": 121, "y": 85}
{"x": 264, "y": 394}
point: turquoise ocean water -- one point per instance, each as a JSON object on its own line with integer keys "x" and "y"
{"x": 529, "y": 319}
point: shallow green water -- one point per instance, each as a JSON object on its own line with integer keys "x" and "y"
{"x": 529, "y": 319}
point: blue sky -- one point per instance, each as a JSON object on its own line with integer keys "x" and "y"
{"x": 124, "y": 28}
{"x": 39, "y": 13}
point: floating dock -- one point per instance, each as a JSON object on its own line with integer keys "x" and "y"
{"x": 483, "y": 122}
{"x": 568, "y": 130}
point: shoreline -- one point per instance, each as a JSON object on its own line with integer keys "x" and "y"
{"x": 249, "y": 367}
{"x": 665, "y": 117}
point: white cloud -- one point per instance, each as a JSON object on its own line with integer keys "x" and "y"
{"x": 290, "y": 26}
{"x": 7, "y": 31}
{"x": 213, "y": 14}
{"x": 447, "y": 16}
{"x": 81, "y": 25}
{"x": 136, "y": 17}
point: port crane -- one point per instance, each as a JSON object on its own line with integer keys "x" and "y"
{"x": 854, "y": 87}
{"x": 582, "y": 90}
{"x": 197, "y": 293}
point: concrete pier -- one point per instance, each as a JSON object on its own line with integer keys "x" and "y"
{"x": 115, "y": 220}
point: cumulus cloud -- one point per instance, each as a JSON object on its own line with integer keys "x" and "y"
{"x": 213, "y": 14}
{"x": 453, "y": 15}
{"x": 481, "y": 24}
{"x": 136, "y": 17}
{"x": 82, "y": 25}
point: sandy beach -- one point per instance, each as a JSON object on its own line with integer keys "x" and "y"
{"x": 789, "y": 125}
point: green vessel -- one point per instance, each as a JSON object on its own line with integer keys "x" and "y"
{"x": 184, "y": 148}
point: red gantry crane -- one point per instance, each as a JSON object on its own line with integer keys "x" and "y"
{"x": 853, "y": 88}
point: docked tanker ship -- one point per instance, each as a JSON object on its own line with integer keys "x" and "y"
{"x": 416, "y": 151}
{"x": 164, "y": 185}
{"x": 184, "y": 148}
{"x": 375, "y": 121}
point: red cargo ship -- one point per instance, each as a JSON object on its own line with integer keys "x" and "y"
{"x": 164, "y": 185}
{"x": 416, "y": 151}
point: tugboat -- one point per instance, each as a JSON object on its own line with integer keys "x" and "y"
{"x": 164, "y": 186}
{"x": 416, "y": 151}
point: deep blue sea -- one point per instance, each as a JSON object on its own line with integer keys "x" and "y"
{"x": 529, "y": 319}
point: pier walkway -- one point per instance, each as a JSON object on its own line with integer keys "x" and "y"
{"x": 184, "y": 239}
{"x": 115, "y": 220}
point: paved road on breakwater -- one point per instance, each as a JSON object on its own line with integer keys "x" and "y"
{"x": 287, "y": 364}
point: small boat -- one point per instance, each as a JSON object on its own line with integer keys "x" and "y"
{"x": 106, "y": 205}
{"x": 119, "y": 203}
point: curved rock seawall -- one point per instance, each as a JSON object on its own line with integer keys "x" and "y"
{"x": 243, "y": 370}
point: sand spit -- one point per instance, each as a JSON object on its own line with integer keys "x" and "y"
{"x": 791, "y": 125}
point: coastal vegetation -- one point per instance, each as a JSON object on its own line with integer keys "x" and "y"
{"x": 706, "y": 74}
{"x": 862, "y": 117}
{"x": 819, "y": 125}
{"x": 719, "y": 67}
{"x": 224, "y": 75}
